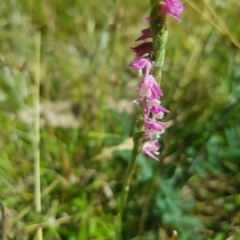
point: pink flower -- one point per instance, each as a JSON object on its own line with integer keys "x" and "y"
{"x": 172, "y": 7}
{"x": 151, "y": 147}
{"x": 147, "y": 19}
{"x": 146, "y": 33}
{"x": 149, "y": 88}
{"x": 140, "y": 63}
{"x": 155, "y": 108}
{"x": 153, "y": 126}
{"x": 142, "y": 49}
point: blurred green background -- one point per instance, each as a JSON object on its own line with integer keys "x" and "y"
{"x": 87, "y": 121}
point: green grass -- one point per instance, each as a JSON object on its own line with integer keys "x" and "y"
{"x": 86, "y": 93}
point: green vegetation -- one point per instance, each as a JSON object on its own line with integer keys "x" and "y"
{"x": 87, "y": 121}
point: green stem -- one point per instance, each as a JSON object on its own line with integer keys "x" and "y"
{"x": 37, "y": 136}
{"x": 126, "y": 187}
{"x": 3, "y": 225}
{"x": 159, "y": 35}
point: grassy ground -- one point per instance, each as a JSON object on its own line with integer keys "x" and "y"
{"x": 87, "y": 120}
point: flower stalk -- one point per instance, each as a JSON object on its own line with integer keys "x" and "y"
{"x": 127, "y": 182}
{"x": 150, "y": 59}
{"x": 159, "y": 37}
